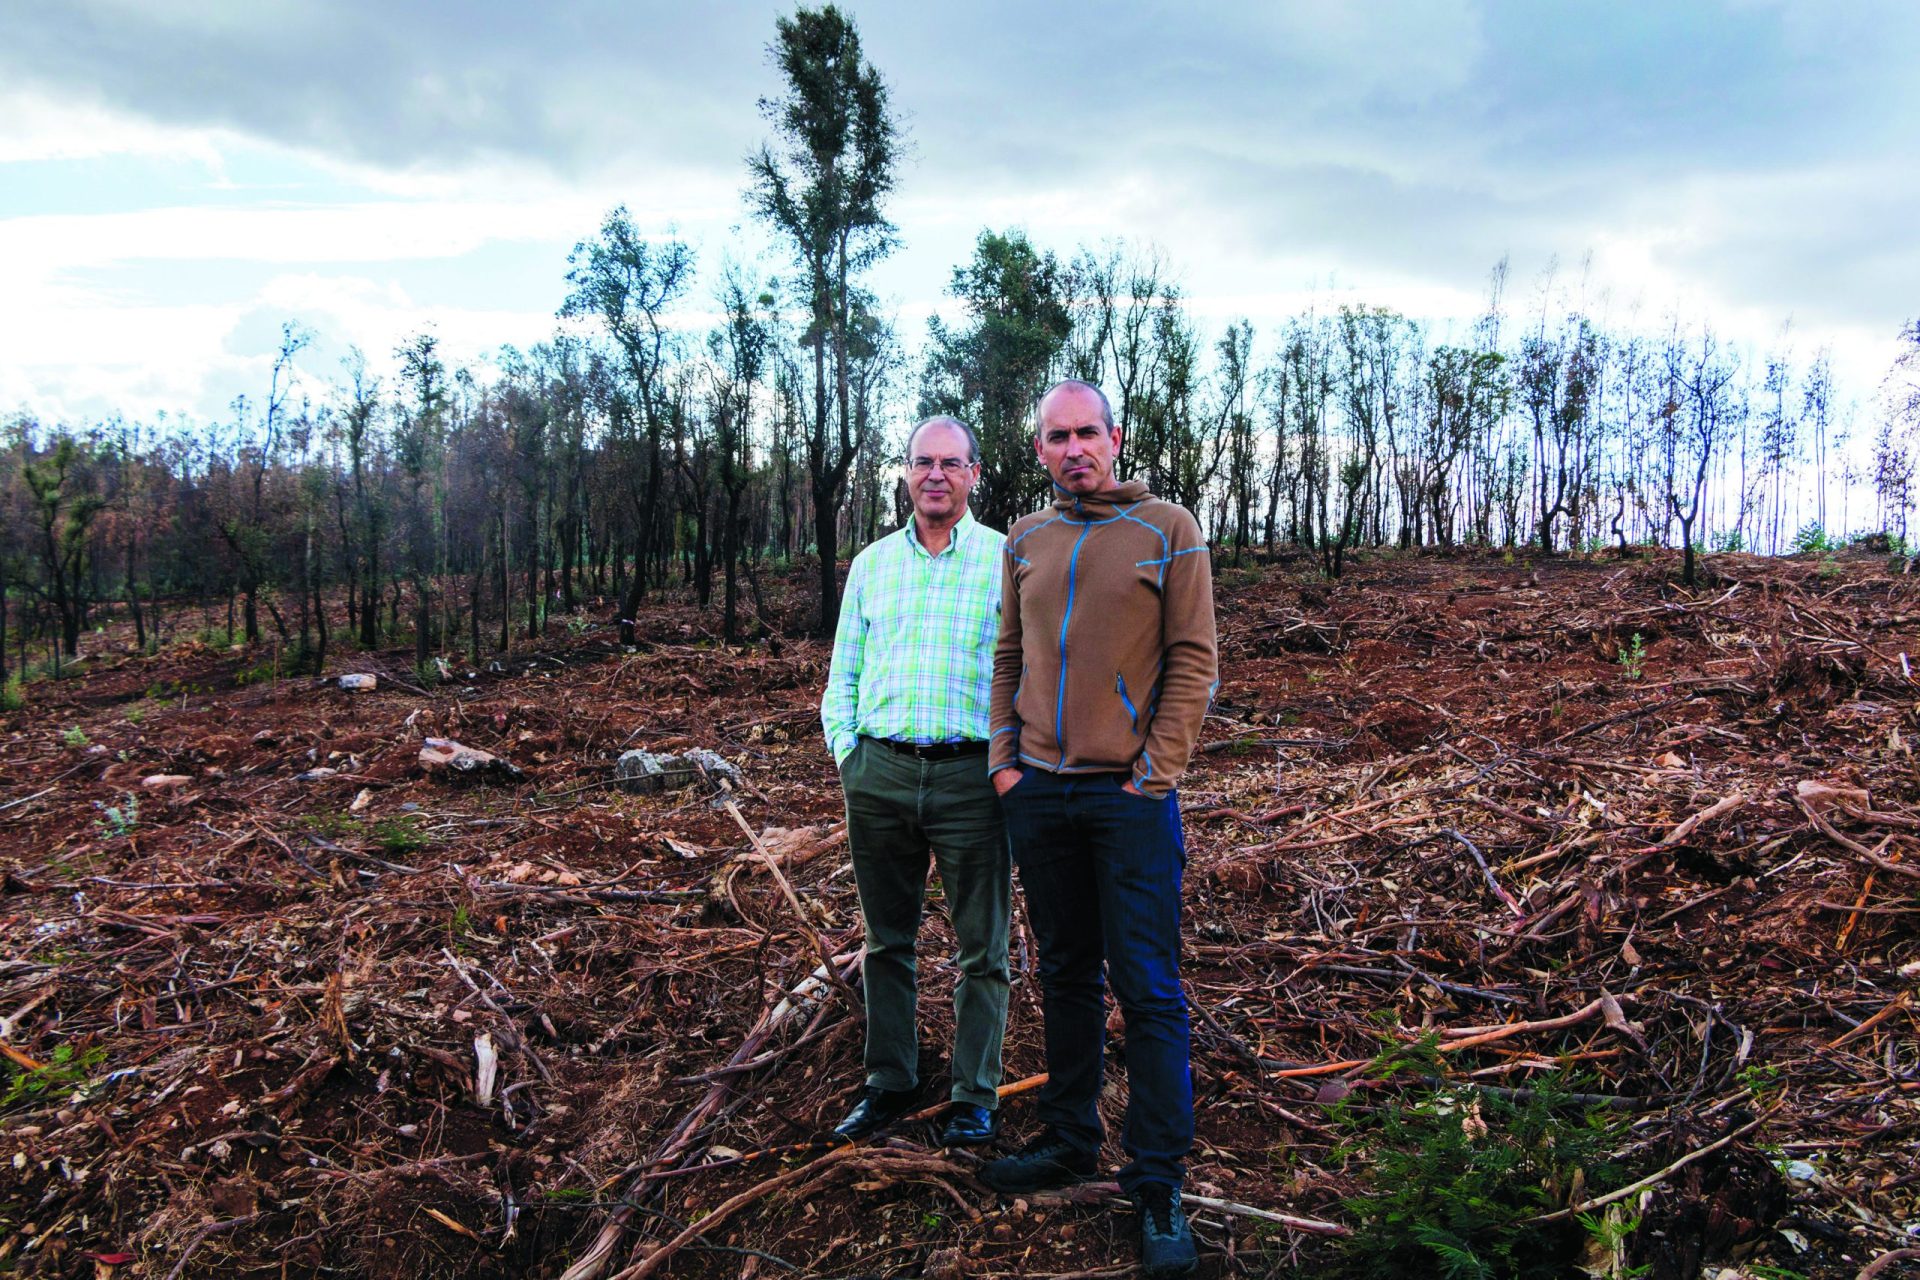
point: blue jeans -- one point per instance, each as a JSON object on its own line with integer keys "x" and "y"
{"x": 1101, "y": 870}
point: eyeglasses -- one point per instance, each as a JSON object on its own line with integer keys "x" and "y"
{"x": 948, "y": 466}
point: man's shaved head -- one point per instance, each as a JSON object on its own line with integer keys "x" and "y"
{"x": 1106, "y": 408}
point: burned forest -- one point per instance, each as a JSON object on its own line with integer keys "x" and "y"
{"x": 419, "y": 853}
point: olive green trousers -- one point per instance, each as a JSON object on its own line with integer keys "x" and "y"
{"x": 903, "y": 812}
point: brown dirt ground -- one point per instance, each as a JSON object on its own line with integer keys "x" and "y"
{"x": 271, "y": 983}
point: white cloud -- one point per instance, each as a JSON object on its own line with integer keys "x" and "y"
{"x": 378, "y": 316}
{"x": 51, "y": 244}
{"x": 1283, "y": 155}
{"x": 41, "y": 127}
{"x": 73, "y": 364}
{"x": 82, "y": 363}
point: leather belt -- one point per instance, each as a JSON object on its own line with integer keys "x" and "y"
{"x": 934, "y": 750}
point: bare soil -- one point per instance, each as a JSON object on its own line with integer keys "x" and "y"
{"x": 1559, "y": 816}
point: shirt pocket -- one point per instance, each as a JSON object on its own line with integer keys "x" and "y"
{"x": 977, "y": 614}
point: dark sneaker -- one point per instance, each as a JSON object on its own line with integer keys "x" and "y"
{"x": 1048, "y": 1161}
{"x": 967, "y": 1124}
{"x": 1166, "y": 1243}
{"x": 876, "y": 1109}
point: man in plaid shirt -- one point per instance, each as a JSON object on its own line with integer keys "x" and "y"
{"x": 905, "y": 714}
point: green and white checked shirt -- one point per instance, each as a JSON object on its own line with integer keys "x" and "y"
{"x": 913, "y": 654}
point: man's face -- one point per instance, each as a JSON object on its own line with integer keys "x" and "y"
{"x": 1075, "y": 444}
{"x": 939, "y": 476}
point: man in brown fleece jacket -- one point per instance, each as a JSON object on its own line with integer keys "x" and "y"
{"x": 1104, "y": 668}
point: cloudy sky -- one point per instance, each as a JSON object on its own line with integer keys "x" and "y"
{"x": 178, "y": 179}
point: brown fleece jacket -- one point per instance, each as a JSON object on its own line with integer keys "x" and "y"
{"x": 1106, "y": 660}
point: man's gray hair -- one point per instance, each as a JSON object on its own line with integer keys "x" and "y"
{"x": 1106, "y": 408}
{"x": 947, "y": 420}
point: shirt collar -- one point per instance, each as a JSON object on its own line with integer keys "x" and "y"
{"x": 956, "y": 536}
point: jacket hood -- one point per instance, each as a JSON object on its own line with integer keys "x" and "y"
{"x": 1100, "y": 504}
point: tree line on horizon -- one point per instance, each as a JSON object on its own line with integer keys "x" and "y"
{"x": 630, "y": 455}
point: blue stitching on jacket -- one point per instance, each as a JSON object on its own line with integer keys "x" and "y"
{"x": 1168, "y": 558}
{"x": 1120, "y": 687}
{"x": 1128, "y": 515}
{"x": 1120, "y": 513}
{"x": 1029, "y": 533}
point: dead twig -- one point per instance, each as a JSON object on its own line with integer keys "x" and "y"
{"x": 1604, "y": 1005}
{"x": 1597, "y": 1202}
{"x": 726, "y": 1209}
{"x": 1892, "y": 1007}
{"x": 1099, "y": 1193}
{"x": 200, "y": 1238}
{"x": 1886, "y": 1261}
{"x": 786, "y": 888}
{"x": 1499, "y": 891}
{"x": 1718, "y": 809}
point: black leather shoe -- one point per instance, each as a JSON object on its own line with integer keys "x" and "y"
{"x": 876, "y": 1109}
{"x": 1166, "y": 1242}
{"x": 969, "y": 1125}
{"x": 1048, "y": 1161}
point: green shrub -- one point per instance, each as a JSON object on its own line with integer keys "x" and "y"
{"x": 1761, "y": 1080}
{"x": 166, "y": 690}
{"x": 1812, "y": 538}
{"x": 48, "y": 669}
{"x": 13, "y": 694}
{"x": 118, "y": 821}
{"x": 263, "y": 673}
{"x": 1633, "y": 656}
{"x": 75, "y": 738}
{"x": 1453, "y": 1176}
{"x": 1881, "y": 543}
{"x": 331, "y": 826}
{"x": 1232, "y": 578}
{"x": 399, "y": 836}
{"x": 64, "y": 1071}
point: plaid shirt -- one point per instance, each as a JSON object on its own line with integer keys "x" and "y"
{"x": 913, "y": 654}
